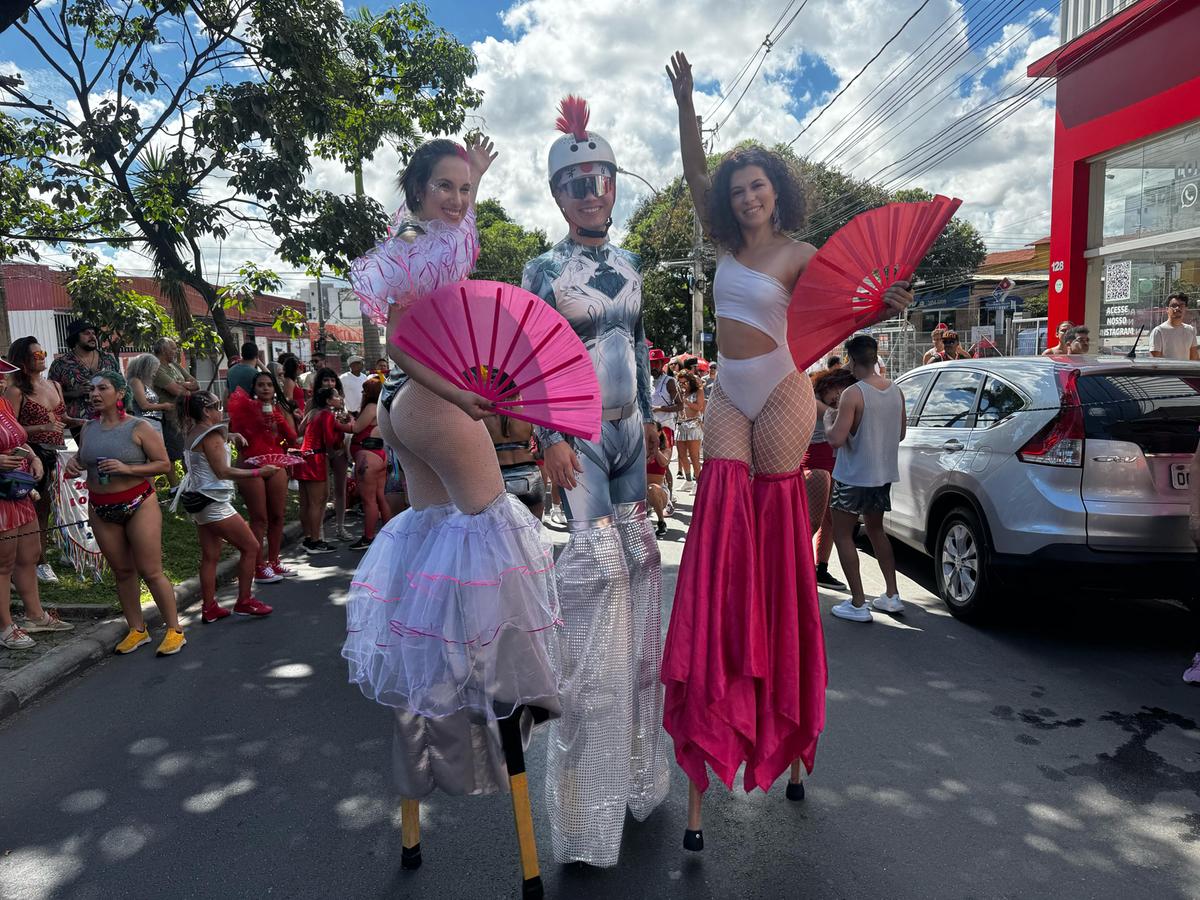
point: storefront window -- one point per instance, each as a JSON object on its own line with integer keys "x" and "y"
{"x": 1134, "y": 287}
{"x": 1153, "y": 188}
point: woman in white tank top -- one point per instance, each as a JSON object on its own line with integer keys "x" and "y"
{"x": 747, "y": 565}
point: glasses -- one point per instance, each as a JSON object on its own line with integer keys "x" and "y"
{"x": 38, "y": 354}
{"x": 596, "y": 185}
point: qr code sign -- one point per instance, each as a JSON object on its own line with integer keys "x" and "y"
{"x": 1117, "y": 279}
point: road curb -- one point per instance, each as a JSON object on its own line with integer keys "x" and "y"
{"x": 28, "y": 683}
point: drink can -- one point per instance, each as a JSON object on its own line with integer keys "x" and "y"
{"x": 101, "y": 477}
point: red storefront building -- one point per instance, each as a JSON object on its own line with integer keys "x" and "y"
{"x": 1125, "y": 211}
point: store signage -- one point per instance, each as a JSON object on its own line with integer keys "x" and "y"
{"x": 1188, "y": 198}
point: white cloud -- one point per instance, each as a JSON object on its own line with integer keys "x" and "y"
{"x": 616, "y": 58}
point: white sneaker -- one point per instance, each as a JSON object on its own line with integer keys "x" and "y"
{"x": 847, "y": 610}
{"x": 888, "y": 603}
{"x": 558, "y": 518}
{"x": 14, "y": 638}
{"x": 48, "y": 622}
{"x": 46, "y": 574}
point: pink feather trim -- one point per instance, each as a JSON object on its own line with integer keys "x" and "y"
{"x": 573, "y": 115}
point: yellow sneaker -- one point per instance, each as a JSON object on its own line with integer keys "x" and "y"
{"x": 133, "y": 640}
{"x": 172, "y": 643}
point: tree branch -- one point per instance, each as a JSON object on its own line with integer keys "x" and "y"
{"x": 45, "y": 54}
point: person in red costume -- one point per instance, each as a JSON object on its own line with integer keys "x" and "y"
{"x": 744, "y": 663}
{"x": 323, "y": 434}
{"x": 268, "y": 431}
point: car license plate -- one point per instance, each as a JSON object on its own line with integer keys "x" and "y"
{"x": 1180, "y": 476}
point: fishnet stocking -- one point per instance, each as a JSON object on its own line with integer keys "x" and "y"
{"x": 784, "y": 427}
{"x": 446, "y": 455}
{"x": 726, "y": 431}
{"x": 817, "y": 484}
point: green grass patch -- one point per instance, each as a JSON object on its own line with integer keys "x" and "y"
{"x": 181, "y": 560}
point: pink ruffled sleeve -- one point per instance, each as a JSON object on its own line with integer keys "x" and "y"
{"x": 400, "y": 270}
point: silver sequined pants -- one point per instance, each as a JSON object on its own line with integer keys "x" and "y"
{"x": 610, "y": 652}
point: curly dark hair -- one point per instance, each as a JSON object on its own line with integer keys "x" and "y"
{"x": 834, "y": 379}
{"x": 791, "y": 205}
{"x": 692, "y": 383}
{"x": 421, "y": 166}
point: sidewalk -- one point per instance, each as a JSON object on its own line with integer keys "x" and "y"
{"x": 26, "y": 675}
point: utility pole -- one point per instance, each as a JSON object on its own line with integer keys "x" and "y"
{"x": 320, "y": 315}
{"x": 372, "y": 347}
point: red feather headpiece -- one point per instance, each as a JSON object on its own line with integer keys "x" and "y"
{"x": 573, "y": 115}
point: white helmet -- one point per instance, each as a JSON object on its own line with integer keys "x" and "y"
{"x": 578, "y": 146}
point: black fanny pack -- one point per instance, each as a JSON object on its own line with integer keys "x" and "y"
{"x": 194, "y": 501}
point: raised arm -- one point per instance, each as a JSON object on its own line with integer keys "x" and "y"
{"x": 480, "y": 155}
{"x": 695, "y": 165}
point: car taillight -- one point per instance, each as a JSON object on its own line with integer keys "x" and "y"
{"x": 1060, "y": 442}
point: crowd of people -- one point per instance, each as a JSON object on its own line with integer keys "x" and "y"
{"x": 460, "y": 617}
{"x": 152, "y": 427}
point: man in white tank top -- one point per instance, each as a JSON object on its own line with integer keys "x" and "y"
{"x": 866, "y": 428}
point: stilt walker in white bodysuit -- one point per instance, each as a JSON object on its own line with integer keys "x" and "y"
{"x": 609, "y": 575}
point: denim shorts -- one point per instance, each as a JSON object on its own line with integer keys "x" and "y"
{"x": 853, "y": 499}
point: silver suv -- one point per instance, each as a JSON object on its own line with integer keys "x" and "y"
{"x": 1076, "y": 463}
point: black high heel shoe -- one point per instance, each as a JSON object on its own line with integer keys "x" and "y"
{"x": 693, "y": 840}
{"x": 795, "y": 790}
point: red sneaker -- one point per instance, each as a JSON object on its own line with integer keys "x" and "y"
{"x": 266, "y": 575}
{"x": 281, "y": 569}
{"x": 211, "y": 612}
{"x": 251, "y": 607}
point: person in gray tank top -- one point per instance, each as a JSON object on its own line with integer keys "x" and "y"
{"x": 866, "y": 428}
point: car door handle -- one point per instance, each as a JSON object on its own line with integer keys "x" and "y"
{"x": 953, "y": 445}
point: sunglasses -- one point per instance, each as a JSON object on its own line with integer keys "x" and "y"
{"x": 38, "y": 354}
{"x": 596, "y": 185}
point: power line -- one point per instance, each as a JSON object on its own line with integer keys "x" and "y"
{"x": 894, "y": 103}
{"x": 886, "y": 43}
{"x": 844, "y": 207}
{"x": 890, "y": 77}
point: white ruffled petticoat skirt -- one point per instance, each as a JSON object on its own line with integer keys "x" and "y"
{"x": 453, "y": 614}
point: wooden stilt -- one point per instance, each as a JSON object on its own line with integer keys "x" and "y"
{"x": 410, "y": 834}
{"x": 693, "y": 835}
{"x": 514, "y": 759}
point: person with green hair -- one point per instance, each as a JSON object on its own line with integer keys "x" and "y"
{"x": 121, "y": 455}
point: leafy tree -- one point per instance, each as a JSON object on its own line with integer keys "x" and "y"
{"x": 127, "y": 317}
{"x": 504, "y": 246}
{"x": 660, "y": 229}
{"x": 185, "y": 119}
{"x": 1036, "y": 306}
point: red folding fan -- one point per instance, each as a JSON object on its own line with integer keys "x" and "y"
{"x": 510, "y": 347}
{"x": 842, "y": 288}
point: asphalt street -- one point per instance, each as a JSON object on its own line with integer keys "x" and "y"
{"x": 1055, "y": 754}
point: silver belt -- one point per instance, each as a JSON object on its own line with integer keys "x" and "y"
{"x": 616, "y": 413}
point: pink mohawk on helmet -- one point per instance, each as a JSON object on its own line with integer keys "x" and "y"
{"x": 573, "y": 115}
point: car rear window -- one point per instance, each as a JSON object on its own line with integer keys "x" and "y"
{"x": 1158, "y": 412}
